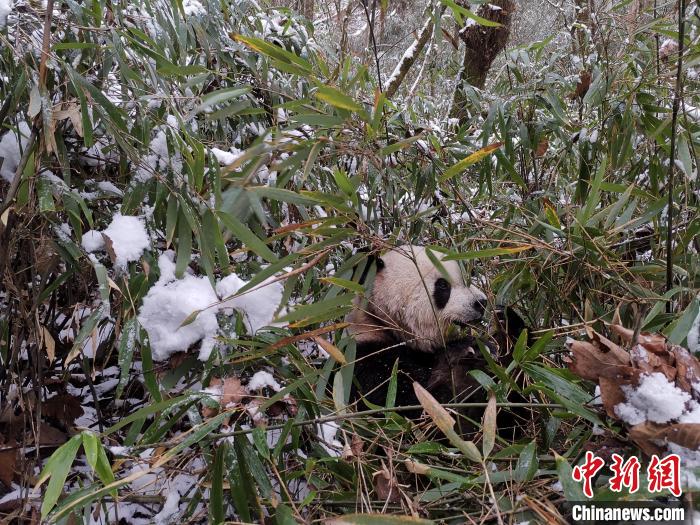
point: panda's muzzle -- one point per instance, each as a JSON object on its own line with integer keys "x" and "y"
{"x": 475, "y": 313}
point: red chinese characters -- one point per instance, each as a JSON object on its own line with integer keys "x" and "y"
{"x": 665, "y": 474}
{"x": 625, "y": 474}
{"x": 587, "y": 471}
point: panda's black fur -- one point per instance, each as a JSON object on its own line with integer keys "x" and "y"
{"x": 441, "y": 365}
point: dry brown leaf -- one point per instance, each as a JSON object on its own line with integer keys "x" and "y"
{"x": 70, "y": 111}
{"x": 8, "y": 462}
{"x": 590, "y": 363}
{"x": 331, "y": 350}
{"x": 64, "y": 407}
{"x": 386, "y": 486}
{"x": 109, "y": 248}
{"x": 441, "y": 417}
{"x": 583, "y": 84}
{"x": 655, "y": 343}
{"x": 611, "y": 394}
{"x": 47, "y": 341}
{"x": 542, "y": 147}
{"x": 688, "y": 369}
{"x": 416, "y": 468}
{"x": 232, "y": 392}
{"x": 611, "y": 350}
{"x": 356, "y": 446}
{"x": 50, "y": 436}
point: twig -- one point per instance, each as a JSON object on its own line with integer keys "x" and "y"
{"x": 672, "y": 160}
{"x": 370, "y": 23}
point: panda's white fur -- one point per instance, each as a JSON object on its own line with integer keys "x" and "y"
{"x": 400, "y": 307}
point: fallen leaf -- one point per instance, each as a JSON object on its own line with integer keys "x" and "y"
{"x": 64, "y": 407}
{"x": 386, "y": 486}
{"x": 688, "y": 369}
{"x": 50, "y": 436}
{"x": 8, "y": 462}
{"x": 232, "y": 392}
{"x": 441, "y": 417}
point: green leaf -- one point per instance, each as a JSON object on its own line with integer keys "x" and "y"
{"x": 485, "y": 253}
{"x": 97, "y": 458}
{"x": 473, "y": 158}
{"x": 678, "y": 331}
{"x": 337, "y": 99}
{"x": 274, "y": 51}
{"x": 221, "y": 95}
{"x": 143, "y": 413}
{"x": 247, "y": 237}
{"x": 527, "y": 463}
{"x": 460, "y": 11}
{"x": 393, "y": 384}
{"x": 573, "y": 490}
{"x": 344, "y": 283}
{"x": 57, "y": 468}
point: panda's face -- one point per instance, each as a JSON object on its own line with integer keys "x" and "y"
{"x": 418, "y": 302}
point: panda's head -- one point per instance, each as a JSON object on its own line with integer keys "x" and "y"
{"x": 414, "y": 302}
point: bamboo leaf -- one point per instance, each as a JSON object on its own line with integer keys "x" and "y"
{"x": 471, "y": 159}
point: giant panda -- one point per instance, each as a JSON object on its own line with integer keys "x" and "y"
{"x": 409, "y": 314}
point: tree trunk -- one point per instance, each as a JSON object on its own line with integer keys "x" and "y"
{"x": 307, "y": 9}
{"x": 482, "y": 45}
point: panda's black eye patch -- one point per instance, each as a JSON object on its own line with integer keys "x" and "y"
{"x": 441, "y": 292}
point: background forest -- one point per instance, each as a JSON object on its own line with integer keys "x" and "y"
{"x": 188, "y": 188}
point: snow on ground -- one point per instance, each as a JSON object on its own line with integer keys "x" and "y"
{"x": 129, "y": 238}
{"x": 171, "y": 301}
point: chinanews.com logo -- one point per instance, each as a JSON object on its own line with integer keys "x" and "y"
{"x": 662, "y": 478}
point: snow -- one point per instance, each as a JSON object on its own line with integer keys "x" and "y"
{"x": 226, "y": 157}
{"x": 258, "y": 306}
{"x": 262, "y": 379}
{"x": 108, "y": 187}
{"x": 193, "y": 8}
{"x": 92, "y": 241}
{"x": 10, "y": 149}
{"x": 170, "y": 508}
{"x": 694, "y": 336}
{"x": 170, "y": 301}
{"x": 129, "y": 238}
{"x": 655, "y": 399}
{"x": 5, "y": 9}
{"x": 158, "y": 159}
{"x": 326, "y": 434}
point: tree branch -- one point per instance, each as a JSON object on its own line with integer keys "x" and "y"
{"x": 410, "y": 56}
